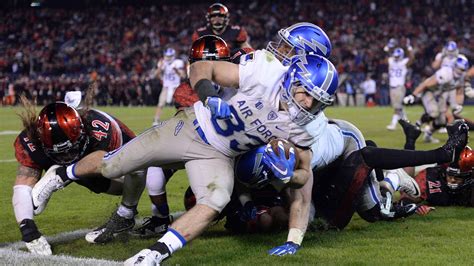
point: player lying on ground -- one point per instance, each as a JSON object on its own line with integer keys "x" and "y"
{"x": 346, "y": 185}
{"x": 62, "y": 135}
{"x": 444, "y": 184}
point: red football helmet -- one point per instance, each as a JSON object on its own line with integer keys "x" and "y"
{"x": 463, "y": 169}
{"x": 209, "y": 47}
{"x": 189, "y": 199}
{"x": 61, "y": 133}
{"x": 218, "y": 9}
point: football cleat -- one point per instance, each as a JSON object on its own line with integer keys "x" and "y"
{"x": 402, "y": 211}
{"x": 392, "y": 127}
{"x": 458, "y": 138}
{"x": 409, "y": 186}
{"x": 152, "y": 227}
{"x": 107, "y": 232}
{"x": 39, "y": 246}
{"x": 411, "y": 131}
{"x": 428, "y": 138}
{"x": 149, "y": 257}
{"x": 43, "y": 190}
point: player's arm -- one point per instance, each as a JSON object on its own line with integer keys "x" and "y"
{"x": 427, "y": 83}
{"x": 303, "y": 171}
{"x": 223, "y": 73}
{"x": 300, "y": 202}
{"x": 411, "y": 56}
{"x": 26, "y": 178}
{"x": 436, "y": 64}
{"x": 245, "y": 44}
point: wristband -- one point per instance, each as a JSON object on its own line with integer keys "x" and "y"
{"x": 295, "y": 235}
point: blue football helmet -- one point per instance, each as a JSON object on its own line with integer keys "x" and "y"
{"x": 250, "y": 170}
{"x": 318, "y": 77}
{"x": 398, "y": 53}
{"x": 462, "y": 63}
{"x": 170, "y": 52}
{"x": 392, "y": 43}
{"x": 303, "y": 38}
{"x": 451, "y": 49}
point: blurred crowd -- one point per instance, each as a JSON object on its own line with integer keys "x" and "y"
{"x": 45, "y": 52}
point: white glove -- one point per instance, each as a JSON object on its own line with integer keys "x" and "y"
{"x": 39, "y": 246}
{"x": 457, "y": 109}
{"x": 469, "y": 91}
{"x": 410, "y": 99}
{"x": 73, "y": 98}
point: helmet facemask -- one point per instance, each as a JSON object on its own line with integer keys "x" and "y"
{"x": 282, "y": 48}
{"x": 298, "y": 113}
{"x": 67, "y": 152}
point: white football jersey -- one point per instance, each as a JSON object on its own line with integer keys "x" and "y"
{"x": 447, "y": 80}
{"x": 329, "y": 143}
{"x": 256, "y": 118}
{"x": 397, "y": 71}
{"x": 447, "y": 61}
{"x": 169, "y": 76}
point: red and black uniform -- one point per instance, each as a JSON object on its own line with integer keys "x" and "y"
{"x": 435, "y": 191}
{"x": 185, "y": 96}
{"x": 233, "y": 35}
{"x": 104, "y": 133}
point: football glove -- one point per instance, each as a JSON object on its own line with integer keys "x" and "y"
{"x": 289, "y": 248}
{"x": 424, "y": 210}
{"x": 468, "y": 90}
{"x": 39, "y": 246}
{"x": 219, "y": 108}
{"x": 281, "y": 167}
{"x": 248, "y": 212}
{"x": 410, "y": 99}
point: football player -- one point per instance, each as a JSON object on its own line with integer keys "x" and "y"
{"x": 62, "y": 135}
{"x": 397, "y": 70}
{"x": 251, "y": 65}
{"x": 445, "y": 184}
{"x": 217, "y": 17}
{"x": 447, "y": 57}
{"x": 434, "y": 92}
{"x": 171, "y": 71}
{"x": 346, "y": 185}
{"x": 208, "y": 47}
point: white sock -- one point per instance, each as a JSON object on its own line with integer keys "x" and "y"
{"x": 70, "y": 172}
{"x": 173, "y": 240}
{"x": 393, "y": 180}
{"x": 395, "y": 119}
{"x": 125, "y": 212}
{"x": 22, "y": 202}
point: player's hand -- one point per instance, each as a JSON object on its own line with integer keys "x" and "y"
{"x": 219, "y": 108}
{"x": 248, "y": 212}
{"x": 39, "y": 246}
{"x": 424, "y": 210}
{"x": 469, "y": 91}
{"x": 281, "y": 167}
{"x": 457, "y": 109}
{"x": 289, "y": 248}
{"x": 410, "y": 99}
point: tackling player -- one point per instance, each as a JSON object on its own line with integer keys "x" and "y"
{"x": 61, "y": 135}
{"x": 218, "y": 24}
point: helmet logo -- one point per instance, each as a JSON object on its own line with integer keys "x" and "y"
{"x": 314, "y": 45}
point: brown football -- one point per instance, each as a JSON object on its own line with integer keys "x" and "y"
{"x": 287, "y": 145}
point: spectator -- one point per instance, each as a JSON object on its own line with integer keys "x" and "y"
{"x": 369, "y": 89}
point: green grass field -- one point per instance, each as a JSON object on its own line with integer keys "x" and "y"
{"x": 444, "y": 237}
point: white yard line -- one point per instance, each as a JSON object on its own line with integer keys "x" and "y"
{"x": 10, "y": 253}
{"x": 8, "y": 161}
{"x": 9, "y": 132}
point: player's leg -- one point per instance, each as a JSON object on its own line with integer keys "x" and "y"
{"x": 431, "y": 106}
{"x": 396, "y": 97}
{"x": 160, "y": 219}
{"x": 161, "y": 103}
{"x": 212, "y": 193}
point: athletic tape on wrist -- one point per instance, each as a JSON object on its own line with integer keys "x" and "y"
{"x": 296, "y": 236}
